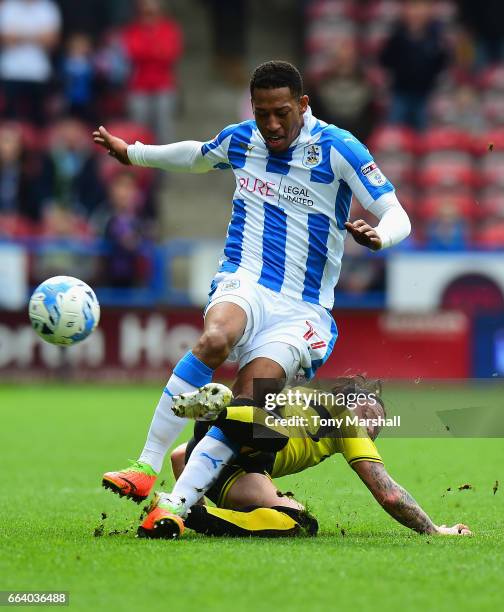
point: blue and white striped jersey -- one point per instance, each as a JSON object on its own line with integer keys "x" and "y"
{"x": 289, "y": 209}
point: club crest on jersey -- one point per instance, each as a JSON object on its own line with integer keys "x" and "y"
{"x": 229, "y": 285}
{"x": 373, "y": 174}
{"x": 312, "y": 155}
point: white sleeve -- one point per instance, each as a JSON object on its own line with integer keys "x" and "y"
{"x": 394, "y": 224}
{"x": 183, "y": 156}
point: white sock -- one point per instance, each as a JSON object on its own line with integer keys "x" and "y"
{"x": 165, "y": 426}
{"x": 202, "y": 470}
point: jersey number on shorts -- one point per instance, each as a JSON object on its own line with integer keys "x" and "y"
{"x": 311, "y": 334}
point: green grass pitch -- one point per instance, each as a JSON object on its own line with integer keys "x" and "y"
{"x": 56, "y": 441}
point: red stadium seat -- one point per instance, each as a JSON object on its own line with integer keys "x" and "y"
{"x": 397, "y": 167}
{"x": 443, "y": 109}
{"x": 489, "y": 142}
{"x": 447, "y": 173}
{"x": 464, "y": 205}
{"x": 491, "y": 203}
{"x": 492, "y": 169}
{"x": 16, "y": 227}
{"x": 406, "y": 197}
{"x": 491, "y": 235}
{"x": 393, "y": 139}
{"x": 447, "y": 156}
{"x": 493, "y": 107}
{"x": 445, "y": 138}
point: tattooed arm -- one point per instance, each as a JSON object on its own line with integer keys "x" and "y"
{"x": 398, "y": 502}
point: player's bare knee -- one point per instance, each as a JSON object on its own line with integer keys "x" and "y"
{"x": 214, "y": 344}
{"x": 177, "y": 458}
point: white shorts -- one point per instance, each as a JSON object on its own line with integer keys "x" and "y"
{"x": 297, "y": 335}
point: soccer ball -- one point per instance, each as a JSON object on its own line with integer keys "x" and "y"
{"x": 64, "y": 310}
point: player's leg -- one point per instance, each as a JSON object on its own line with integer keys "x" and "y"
{"x": 234, "y": 429}
{"x": 257, "y": 489}
{"x": 177, "y": 458}
{"x": 237, "y": 427}
{"x": 279, "y": 361}
{"x": 269, "y": 371}
{"x": 224, "y": 325}
{"x": 253, "y": 521}
{"x": 231, "y": 296}
{"x": 249, "y": 489}
{"x": 251, "y": 505}
{"x": 270, "y": 515}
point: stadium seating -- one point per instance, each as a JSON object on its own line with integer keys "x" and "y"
{"x": 464, "y": 205}
{"x": 461, "y": 155}
{"x": 445, "y": 139}
{"x": 393, "y": 139}
{"x": 397, "y": 167}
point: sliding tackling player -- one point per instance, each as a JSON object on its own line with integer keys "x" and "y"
{"x": 233, "y": 461}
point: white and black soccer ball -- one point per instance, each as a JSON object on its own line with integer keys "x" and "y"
{"x": 64, "y": 310}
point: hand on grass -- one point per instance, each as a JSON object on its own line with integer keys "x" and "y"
{"x": 458, "y": 529}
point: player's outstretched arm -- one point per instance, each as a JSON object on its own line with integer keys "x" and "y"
{"x": 183, "y": 156}
{"x": 398, "y": 502}
{"x": 116, "y": 147}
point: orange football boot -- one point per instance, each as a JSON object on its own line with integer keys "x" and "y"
{"x": 163, "y": 520}
{"x": 134, "y": 482}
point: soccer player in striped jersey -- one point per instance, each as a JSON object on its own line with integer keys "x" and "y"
{"x": 270, "y": 301}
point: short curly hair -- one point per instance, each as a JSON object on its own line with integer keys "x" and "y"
{"x": 276, "y": 74}
{"x": 359, "y": 384}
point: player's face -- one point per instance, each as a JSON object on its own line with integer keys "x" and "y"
{"x": 279, "y": 116}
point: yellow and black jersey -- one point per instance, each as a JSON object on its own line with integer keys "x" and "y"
{"x": 302, "y": 453}
{"x": 317, "y": 430}
{"x": 289, "y": 439}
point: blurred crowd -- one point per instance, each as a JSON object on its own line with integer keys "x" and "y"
{"x": 421, "y": 82}
{"x": 64, "y": 66}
